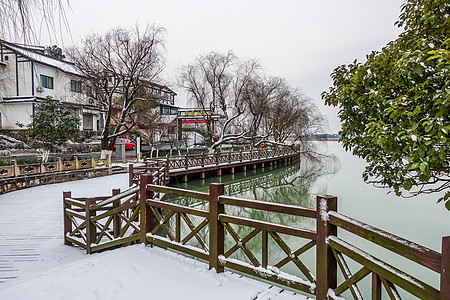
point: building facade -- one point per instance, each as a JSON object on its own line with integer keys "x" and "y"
{"x": 28, "y": 76}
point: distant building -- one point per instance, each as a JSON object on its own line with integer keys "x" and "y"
{"x": 28, "y": 76}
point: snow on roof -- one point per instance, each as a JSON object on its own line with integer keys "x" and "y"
{"x": 35, "y": 54}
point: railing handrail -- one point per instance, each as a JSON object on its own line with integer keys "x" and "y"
{"x": 269, "y": 206}
{"x": 128, "y": 192}
{"x": 178, "y": 192}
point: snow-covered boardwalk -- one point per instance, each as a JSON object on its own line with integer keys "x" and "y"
{"x": 35, "y": 264}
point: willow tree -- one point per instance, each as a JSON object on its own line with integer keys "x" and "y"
{"x": 19, "y": 19}
{"x": 395, "y": 107}
{"x": 118, "y": 70}
{"x": 243, "y": 102}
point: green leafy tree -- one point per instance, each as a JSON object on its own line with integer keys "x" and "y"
{"x": 53, "y": 125}
{"x": 395, "y": 107}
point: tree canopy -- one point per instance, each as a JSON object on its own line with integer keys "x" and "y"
{"x": 395, "y": 107}
{"x": 53, "y": 125}
{"x": 118, "y": 69}
{"x": 244, "y": 104}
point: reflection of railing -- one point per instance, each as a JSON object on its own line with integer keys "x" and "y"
{"x": 262, "y": 179}
{"x": 202, "y": 160}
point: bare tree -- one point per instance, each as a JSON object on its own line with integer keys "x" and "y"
{"x": 19, "y": 19}
{"x": 245, "y": 104}
{"x": 119, "y": 69}
{"x": 216, "y": 83}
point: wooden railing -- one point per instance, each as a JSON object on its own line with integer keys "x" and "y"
{"x": 201, "y": 160}
{"x": 334, "y": 252}
{"x": 102, "y": 223}
{"x": 203, "y": 233}
{"x": 216, "y": 232}
{"x": 15, "y": 170}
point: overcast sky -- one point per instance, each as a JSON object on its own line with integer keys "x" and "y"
{"x": 302, "y": 41}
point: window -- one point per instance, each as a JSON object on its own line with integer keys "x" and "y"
{"x": 75, "y": 86}
{"x": 88, "y": 122}
{"x": 47, "y": 81}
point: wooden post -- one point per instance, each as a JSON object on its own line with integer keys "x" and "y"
{"x": 91, "y": 233}
{"x": 41, "y": 166}
{"x": 93, "y": 163}
{"x": 76, "y": 163}
{"x": 244, "y": 168}
{"x": 203, "y": 159}
{"x": 116, "y": 218}
{"x": 67, "y": 221}
{"x": 216, "y": 155}
{"x": 16, "y": 168}
{"x": 216, "y": 231}
{"x": 186, "y": 161}
{"x": 202, "y": 175}
{"x": 219, "y": 172}
{"x": 130, "y": 174}
{"x": 326, "y": 266}
{"x": 445, "y": 269}
{"x": 376, "y": 287}
{"x": 240, "y": 155}
{"x": 232, "y": 170}
{"x": 146, "y": 217}
{"x": 60, "y": 164}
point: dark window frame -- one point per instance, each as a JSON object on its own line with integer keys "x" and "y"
{"x": 75, "y": 86}
{"x": 46, "y": 81}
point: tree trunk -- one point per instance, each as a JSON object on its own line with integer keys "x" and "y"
{"x": 105, "y": 153}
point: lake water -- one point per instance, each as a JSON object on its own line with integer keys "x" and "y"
{"x": 417, "y": 219}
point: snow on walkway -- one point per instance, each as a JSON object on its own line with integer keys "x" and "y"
{"x": 35, "y": 264}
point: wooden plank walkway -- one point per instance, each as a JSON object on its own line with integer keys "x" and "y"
{"x": 31, "y": 229}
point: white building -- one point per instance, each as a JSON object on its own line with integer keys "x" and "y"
{"x": 28, "y": 76}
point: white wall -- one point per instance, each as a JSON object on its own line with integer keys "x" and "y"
{"x": 11, "y": 113}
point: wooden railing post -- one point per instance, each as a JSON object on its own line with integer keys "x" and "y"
{"x": 186, "y": 161}
{"x": 91, "y": 233}
{"x": 216, "y": 229}
{"x": 326, "y": 265}
{"x": 67, "y": 221}
{"x": 240, "y": 155}
{"x": 203, "y": 159}
{"x": 445, "y": 269}
{"x": 376, "y": 287}
{"x": 216, "y": 154}
{"x": 130, "y": 174}
{"x": 16, "y": 168}
{"x": 60, "y": 164}
{"x": 76, "y": 163}
{"x": 146, "y": 217}
{"x": 116, "y": 218}
{"x": 41, "y": 166}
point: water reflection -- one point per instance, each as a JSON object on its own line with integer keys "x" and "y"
{"x": 290, "y": 184}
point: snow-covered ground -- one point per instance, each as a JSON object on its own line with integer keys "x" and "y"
{"x": 34, "y": 263}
